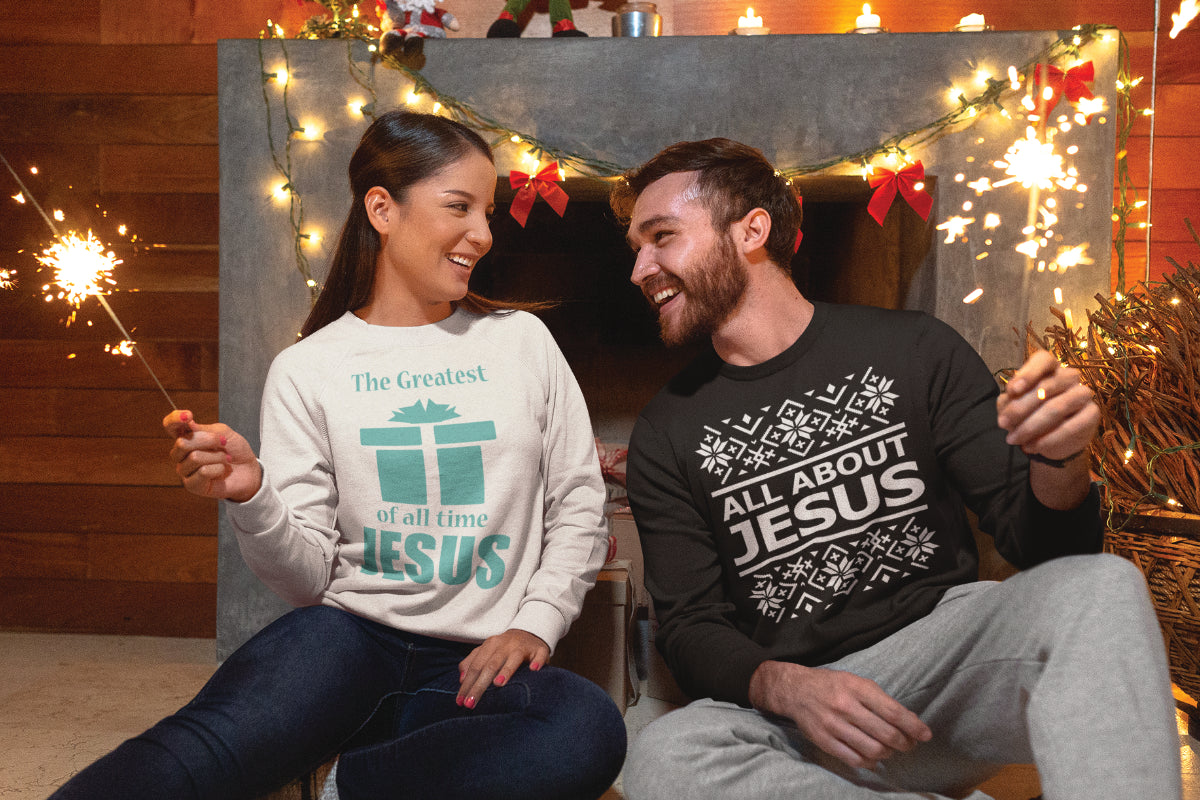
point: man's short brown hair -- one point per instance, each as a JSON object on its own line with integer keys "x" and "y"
{"x": 732, "y": 179}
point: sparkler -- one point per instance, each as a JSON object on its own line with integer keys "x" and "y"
{"x": 1188, "y": 10}
{"x": 81, "y": 270}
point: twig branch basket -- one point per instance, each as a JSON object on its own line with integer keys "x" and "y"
{"x": 1166, "y": 547}
{"x": 1141, "y": 358}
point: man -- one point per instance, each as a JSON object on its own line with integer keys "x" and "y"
{"x": 800, "y": 492}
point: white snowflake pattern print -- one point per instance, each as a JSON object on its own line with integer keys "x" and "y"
{"x": 877, "y": 393}
{"x": 796, "y": 428}
{"x": 840, "y": 574}
{"x": 716, "y": 460}
{"x": 768, "y": 595}
{"x": 918, "y": 544}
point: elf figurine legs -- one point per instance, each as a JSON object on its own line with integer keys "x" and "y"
{"x": 561, "y": 20}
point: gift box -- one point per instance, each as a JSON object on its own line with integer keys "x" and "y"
{"x": 599, "y": 644}
{"x": 458, "y": 454}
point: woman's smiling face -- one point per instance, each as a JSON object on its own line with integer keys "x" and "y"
{"x": 430, "y": 242}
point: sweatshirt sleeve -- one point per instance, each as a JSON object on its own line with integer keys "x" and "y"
{"x": 706, "y": 652}
{"x": 574, "y": 538}
{"x": 992, "y": 475}
{"x": 286, "y": 531}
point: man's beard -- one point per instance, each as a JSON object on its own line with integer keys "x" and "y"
{"x": 712, "y": 291}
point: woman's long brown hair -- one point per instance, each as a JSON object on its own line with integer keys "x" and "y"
{"x": 399, "y": 148}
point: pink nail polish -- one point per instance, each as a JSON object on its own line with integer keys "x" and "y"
{"x": 535, "y": 666}
{"x": 470, "y": 702}
{"x": 224, "y": 441}
{"x": 458, "y": 701}
{"x": 500, "y": 680}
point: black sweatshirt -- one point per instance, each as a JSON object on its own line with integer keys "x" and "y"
{"x": 807, "y": 507}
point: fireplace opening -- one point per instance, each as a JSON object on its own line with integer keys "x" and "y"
{"x": 608, "y": 333}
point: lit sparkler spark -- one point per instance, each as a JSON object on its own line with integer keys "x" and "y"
{"x": 1188, "y": 10}
{"x": 99, "y": 269}
{"x": 1028, "y": 247}
{"x": 19, "y": 197}
{"x": 1073, "y": 256}
{"x": 124, "y": 348}
{"x": 81, "y": 267}
{"x": 955, "y": 227}
{"x": 1087, "y": 107}
{"x": 8, "y": 278}
{"x": 1032, "y": 162}
{"x": 980, "y": 186}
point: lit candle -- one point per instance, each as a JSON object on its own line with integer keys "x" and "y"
{"x": 971, "y": 22}
{"x": 750, "y": 25}
{"x": 867, "y": 21}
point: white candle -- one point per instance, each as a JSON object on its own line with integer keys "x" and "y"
{"x": 750, "y": 25}
{"x": 971, "y": 22}
{"x": 867, "y": 19}
{"x": 749, "y": 21}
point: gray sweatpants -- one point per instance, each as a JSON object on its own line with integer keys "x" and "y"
{"x": 1062, "y": 665}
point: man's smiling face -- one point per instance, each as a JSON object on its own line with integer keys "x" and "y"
{"x": 688, "y": 271}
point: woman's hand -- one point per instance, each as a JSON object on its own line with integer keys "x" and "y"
{"x": 494, "y": 662}
{"x": 212, "y": 460}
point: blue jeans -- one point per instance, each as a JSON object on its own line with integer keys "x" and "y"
{"x": 320, "y": 681}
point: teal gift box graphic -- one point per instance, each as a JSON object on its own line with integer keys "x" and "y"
{"x": 401, "y": 457}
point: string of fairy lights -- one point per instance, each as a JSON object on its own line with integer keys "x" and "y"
{"x": 1031, "y": 161}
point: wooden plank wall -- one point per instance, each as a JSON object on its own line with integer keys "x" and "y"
{"x": 115, "y": 103}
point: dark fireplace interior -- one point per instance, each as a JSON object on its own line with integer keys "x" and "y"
{"x": 606, "y": 330}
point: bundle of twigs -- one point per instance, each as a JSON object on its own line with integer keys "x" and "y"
{"x": 1141, "y": 357}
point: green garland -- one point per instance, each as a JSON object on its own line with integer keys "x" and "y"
{"x": 343, "y": 25}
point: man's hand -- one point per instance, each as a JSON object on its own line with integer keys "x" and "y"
{"x": 1046, "y": 410}
{"x": 494, "y": 662}
{"x": 212, "y": 460}
{"x": 847, "y": 716}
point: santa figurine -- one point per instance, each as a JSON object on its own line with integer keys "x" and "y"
{"x": 562, "y": 23}
{"x": 407, "y": 23}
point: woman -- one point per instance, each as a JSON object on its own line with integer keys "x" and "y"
{"x": 429, "y": 497}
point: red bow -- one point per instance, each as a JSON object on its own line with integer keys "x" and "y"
{"x": 887, "y": 183}
{"x": 1071, "y": 82}
{"x": 529, "y": 187}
